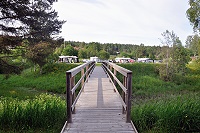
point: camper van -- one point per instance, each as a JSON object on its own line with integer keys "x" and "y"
{"x": 68, "y": 59}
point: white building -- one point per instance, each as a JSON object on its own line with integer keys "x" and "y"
{"x": 96, "y": 59}
{"x": 122, "y": 60}
{"x": 68, "y": 59}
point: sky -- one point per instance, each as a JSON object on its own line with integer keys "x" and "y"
{"x": 123, "y": 21}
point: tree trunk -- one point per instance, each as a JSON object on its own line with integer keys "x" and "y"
{"x": 40, "y": 69}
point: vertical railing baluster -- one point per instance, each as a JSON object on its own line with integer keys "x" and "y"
{"x": 74, "y": 94}
{"x": 82, "y": 82}
{"x": 87, "y": 67}
{"x": 123, "y": 93}
{"x": 115, "y": 73}
{"x": 69, "y": 97}
{"x": 128, "y": 97}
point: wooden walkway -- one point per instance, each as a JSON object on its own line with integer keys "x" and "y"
{"x": 99, "y": 108}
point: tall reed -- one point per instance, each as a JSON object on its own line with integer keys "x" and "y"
{"x": 178, "y": 114}
{"x": 44, "y": 111}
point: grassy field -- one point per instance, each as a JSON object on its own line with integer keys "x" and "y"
{"x": 29, "y": 83}
{"x": 28, "y": 102}
{"x": 33, "y": 102}
{"x": 164, "y": 107}
{"x": 44, "y": 112}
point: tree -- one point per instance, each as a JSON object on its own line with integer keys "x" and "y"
{"x": 193, "y": 13}
{"x": 168, "y": 41}
{"x": 93, "y": 49}
{"x": 69, "y": 50}
{"x": 176, "y": 56}
{"x": 33, "y": 20}
{"x": 38, "y": 53}
{"x": 82, "y": 54}
{"x": 104, "y": 55}
{"x": 193, "y": 43}
{"x": 29, "y": 18}
{"x": 180, "y": 58}
{"x": 7, "y": 43}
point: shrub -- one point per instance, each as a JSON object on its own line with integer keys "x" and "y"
{"x": 57, "y": 67}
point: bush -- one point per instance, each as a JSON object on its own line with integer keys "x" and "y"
{"x": 57, "y": 67}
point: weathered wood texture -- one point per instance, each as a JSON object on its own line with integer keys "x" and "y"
{"x": 99, "y": 108}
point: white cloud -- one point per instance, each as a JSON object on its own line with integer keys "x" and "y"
{"x": 127, "y": 21}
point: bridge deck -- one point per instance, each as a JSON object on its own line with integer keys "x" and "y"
{"x": 98, "y": 108}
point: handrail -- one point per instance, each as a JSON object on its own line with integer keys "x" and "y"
{"x": 72, "y": 87}
{"x": 117, "y": 80}
{"x": 115, "y": 88}
{"x": 90, "y": 70}
{"x": 126, "y": 86}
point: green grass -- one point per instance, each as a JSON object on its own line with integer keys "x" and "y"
{"x": 164, "y": 107}
{"x": 146, "y": 81}
{"x": 24, "y": 104}
{"x": 176, "y": 114}
{"x": 158, "y": 106}
{"x": 42, "y": 112}
{"x": 31, "y": 83}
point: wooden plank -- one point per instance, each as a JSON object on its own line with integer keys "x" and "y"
{"x": 98, "y": 108}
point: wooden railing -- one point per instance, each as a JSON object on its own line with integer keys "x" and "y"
{"x": 85, "y": 70}
{"x": 126, "y": 86}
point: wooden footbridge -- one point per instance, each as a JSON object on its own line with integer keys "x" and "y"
{"x": 94, "y": 103}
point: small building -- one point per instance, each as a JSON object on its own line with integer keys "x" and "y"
{"x": 68, "y": 59}
{"x": 96, "y": 59}
{"x": 123, "y": 60}
{"x": 143, "y": 59}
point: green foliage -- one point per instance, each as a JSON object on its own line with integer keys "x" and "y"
{"x": 159, "y": 106}
{"x": 193, "y": 13}
{"x": 141, "y": 69}
{"x": 70, "y": 51}
{"x": 176, "y": 114}
{"x": 87, "y": 50}
{"x": 176, "y": 56}
{"x": 53, "y": 68}
{"x": 146, "y": 82}
{"x": 34, "y": 21}
{"x": 194, "y": 66}
{"x": 44, "y": 111}
{"x": 6, "y": 68}
{"x": 53, "y": 79}
{"x": 124, "y": 54}
{"x": 104, "y": 55}
{"x": 193, "y": 43}
{"x": 180, "y": 59}
{"x": 82, "y": 54}
{"x": 39, "y": 52}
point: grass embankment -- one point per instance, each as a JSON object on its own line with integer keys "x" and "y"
{"x": 30, "y": 83}
{"x": 24, "y": 104}
{"x": 160, "y": 106}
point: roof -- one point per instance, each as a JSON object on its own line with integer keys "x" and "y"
{"x": 68, "y": 56}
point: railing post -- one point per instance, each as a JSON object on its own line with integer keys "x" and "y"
{"x": 123, "y": 93}
{"x": 107, "y": 64}
{"x": 87, "y": 67}
{"x": 115, "y": 73}
{"x": 74, "y": 94}
{"x": 69, "y": 97}
{"x": 128, "y": 97}
{"x": 82, "y": 73}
